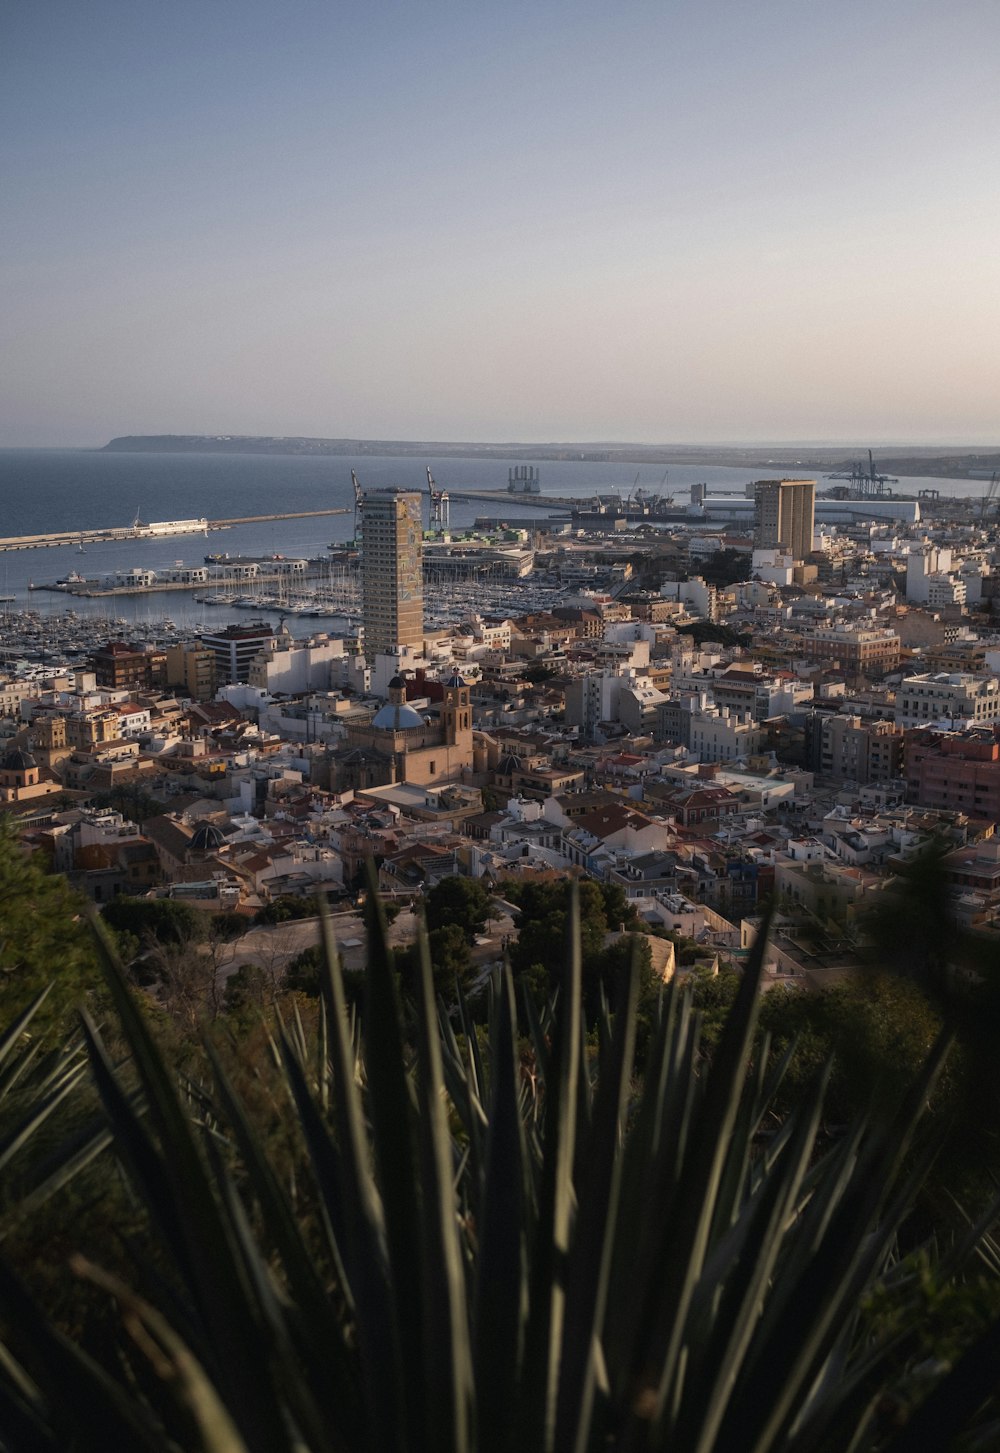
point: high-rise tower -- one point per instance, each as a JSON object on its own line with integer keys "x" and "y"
{"x": 392, "y": 581}
{"x": 784, "y": 515}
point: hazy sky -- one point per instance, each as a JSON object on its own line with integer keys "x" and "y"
{"x": 665, "y": 220}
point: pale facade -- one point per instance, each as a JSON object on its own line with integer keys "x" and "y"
{"x": 948, "y": 696}
{"x": 784, "y": 515}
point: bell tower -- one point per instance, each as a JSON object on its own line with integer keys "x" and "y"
{"x": 456, "y": 714}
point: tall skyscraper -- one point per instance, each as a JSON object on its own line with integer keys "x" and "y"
{"x": 392, "y": 579}
{"x": 784, "y": 516}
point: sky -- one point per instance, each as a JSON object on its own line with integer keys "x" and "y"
{"x": 670, "y": 221}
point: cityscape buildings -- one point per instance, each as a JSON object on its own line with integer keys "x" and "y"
{"x": 701, "y": 717}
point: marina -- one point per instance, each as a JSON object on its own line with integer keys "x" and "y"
{"x": 33, "y": 641}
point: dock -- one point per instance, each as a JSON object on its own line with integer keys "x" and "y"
{"x": 244, "y": 585}
{"x": 515, "y": 500}
{"x": 118, "y": 533}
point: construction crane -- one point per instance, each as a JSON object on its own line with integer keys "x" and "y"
{"x": 989, "y": 496}
{"x": 440, "y": 515}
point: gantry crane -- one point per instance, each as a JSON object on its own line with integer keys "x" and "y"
{"x": 440, "y": 515}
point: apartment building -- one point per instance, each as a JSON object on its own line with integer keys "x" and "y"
{"x": 859, "y": 650}
{"x": 954, "y": 771}
{"x": 948, "y": 696}
{"x": 851, "y": 749}
{"x": 784, "y": 516}
{"x": 392, "y": 582}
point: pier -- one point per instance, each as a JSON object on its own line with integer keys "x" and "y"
{"x": 533, "y": 501}
{"x": 221, "y": 580}
{"x": 116, "y": 533}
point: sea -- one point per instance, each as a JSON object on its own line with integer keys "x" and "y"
{"x": 43, "y": 490}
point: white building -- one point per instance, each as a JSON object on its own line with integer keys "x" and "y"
{"x": 597, "y": 696}
{"x": 700, "y": 597}
{"x": 931, "y": 578}
{"x": 291, "y": 668}
{"x": 948, "y": 696}
{"x": 773, "y": 567}
{"x": 718, "y": 735}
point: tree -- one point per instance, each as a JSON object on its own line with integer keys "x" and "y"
{"x": 156, "y": 920}
{"x": 44, "y": 938}
{"x": 450, "y": 957}
{"x": 878, "y": 1029}
{"x": 131, "y": 801}
{"x": 543, "y": 914}
{"x": 725, "y": 567}
{"x": 709, "y": 633}
{"x": 464, "y": 902}
{"x": 247, "y": 989}
{"x": 303, "y": 976}
{"x": 285, "y": 908}
{"x": 543, "y": 911}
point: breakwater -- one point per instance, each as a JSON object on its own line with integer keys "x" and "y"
{"x": 116, "y": 533}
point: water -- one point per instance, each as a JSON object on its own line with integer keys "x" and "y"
{"x": 42, "y": 490}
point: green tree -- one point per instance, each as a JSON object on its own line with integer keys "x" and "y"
{"x": 304, "y": 976}
{"x": 708, "y": 632}
{"x": 131, "y": 801}
{"x": 284, "y": 909}
{"x": 877, "y": 1028}
{"x": 44, "y": 938}
{"x": 450, "y": 957}
{"x": 156, "y": 920}
{"x": 247, "y": 990}
{"x": 543, "y": 912}
{"x": 463, "y": 902}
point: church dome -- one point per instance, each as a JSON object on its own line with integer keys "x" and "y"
{"x": 398, "y": 683}
{"x": 455, "y": 680}
{"x": 207, "y": 838}
{"x": 17, "y": 760}
{"x": 396, "y": 717}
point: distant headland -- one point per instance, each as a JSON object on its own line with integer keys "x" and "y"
{"x": 944, "y": 463}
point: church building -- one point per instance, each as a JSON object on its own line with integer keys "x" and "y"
{"x": 400, "y": 745}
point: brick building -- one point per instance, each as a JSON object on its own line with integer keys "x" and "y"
{"x": 121, "y": 667}
{"x": 858, "y": 650}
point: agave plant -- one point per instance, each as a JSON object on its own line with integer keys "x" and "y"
{"x": 35, "y": 1084}
{"x": 564, "y": 1260}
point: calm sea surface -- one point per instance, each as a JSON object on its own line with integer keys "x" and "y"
{"x": 43, "y": 490}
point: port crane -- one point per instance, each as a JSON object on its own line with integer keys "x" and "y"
{"x": 440, "y": 515}
{"x": 989, "y": 496}
{"x": 866, "y": 483}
